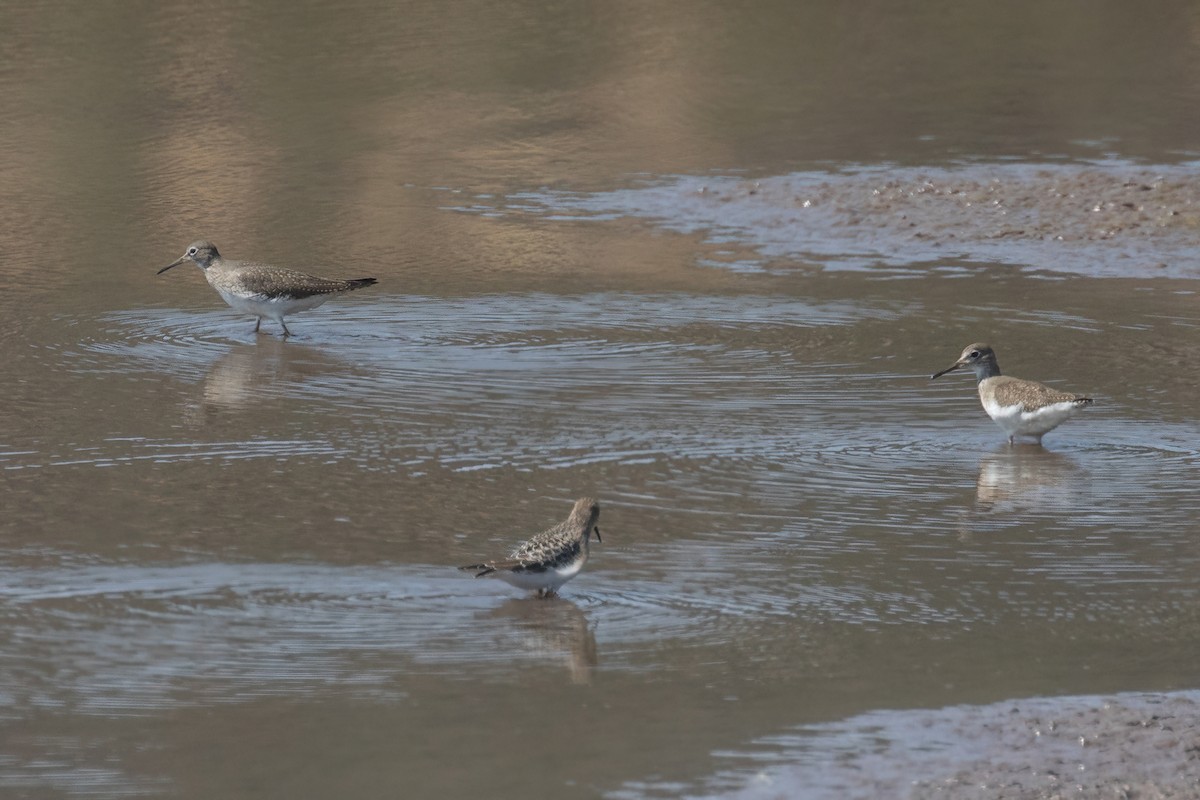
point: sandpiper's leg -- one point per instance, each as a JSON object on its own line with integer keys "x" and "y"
{"x": 1012, "y": 440}
{"x": 257, "y": 323}
{"x": 286, "y": 332}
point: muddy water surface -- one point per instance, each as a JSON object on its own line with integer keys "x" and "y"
{"x": 684, "y": 262}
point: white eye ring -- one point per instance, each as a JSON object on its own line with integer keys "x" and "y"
{"x": 191, "y": 251}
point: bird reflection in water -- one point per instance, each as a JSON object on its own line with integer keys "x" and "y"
{"x": 552, "y": 630}
{"x": 249, "y": 373}
{"x": 1029, "y": 476}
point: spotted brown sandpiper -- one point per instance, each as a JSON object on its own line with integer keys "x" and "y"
{"x": 553, "y": 557}
{"x": 260, "y": 289}
{"x": 1019, "y": 407}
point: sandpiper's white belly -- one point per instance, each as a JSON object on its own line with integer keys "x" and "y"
{"x": 548, "y": 580}
{"x": 272, "y": 308}
{"x": 1016, "y": 421}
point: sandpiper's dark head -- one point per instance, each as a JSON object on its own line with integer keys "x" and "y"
{"x": 584, "y": 517}
{"x": 980, "y": 358}
{"x": 202, "y": 253}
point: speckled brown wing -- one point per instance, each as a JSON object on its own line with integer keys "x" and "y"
{"x": 544, "y": 554}
{"x": 276, "y": 282}
{"x": 543, "y": 550}
{"x": 1030, "y": 395}
{"x": 545, "y": 561}
{"x": 546, "y": 550}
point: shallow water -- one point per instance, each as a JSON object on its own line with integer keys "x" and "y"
{"x": 226, "y": 559}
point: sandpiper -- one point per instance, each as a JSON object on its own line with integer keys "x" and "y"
{"x": 551, "y": 558}
{"x": 1019, "y": 407}
{"x": 260, "y": 289}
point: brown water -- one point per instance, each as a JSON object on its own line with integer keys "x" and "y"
{"x": 655, "y": 252}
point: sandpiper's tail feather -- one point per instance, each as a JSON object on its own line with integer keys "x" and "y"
{"x": 485, "y": 569}
{"x": 1083, "y": 401}
{"x": 358, "y": 283}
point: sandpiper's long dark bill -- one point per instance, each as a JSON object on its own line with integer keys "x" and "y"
{"x": 261, "y": 290}
{"x": 1019, "y": 407}
{"x": 553, "y": 557}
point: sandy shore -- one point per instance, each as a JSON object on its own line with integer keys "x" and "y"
{"x": 1108, "y": 219}
{"x": 1135, "y": 746}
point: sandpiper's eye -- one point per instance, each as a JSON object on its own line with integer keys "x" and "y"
{"x": 191, "y": 251}
{"x": 974, "y": 354}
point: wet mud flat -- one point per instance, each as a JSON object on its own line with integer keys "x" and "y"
{"x": 1104, "y": 219}
{"x": 1144, "y": 746}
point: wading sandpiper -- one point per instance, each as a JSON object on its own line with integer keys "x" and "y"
{"x": 553, "y": 557}
{"x": 261, "y": 290}
{"x": 1019, "y": 407}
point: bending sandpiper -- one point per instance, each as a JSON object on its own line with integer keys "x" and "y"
{"x": 1019, "y": 407}
{"x": 261, "y": 290}
{"x": 553, "y": 557}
